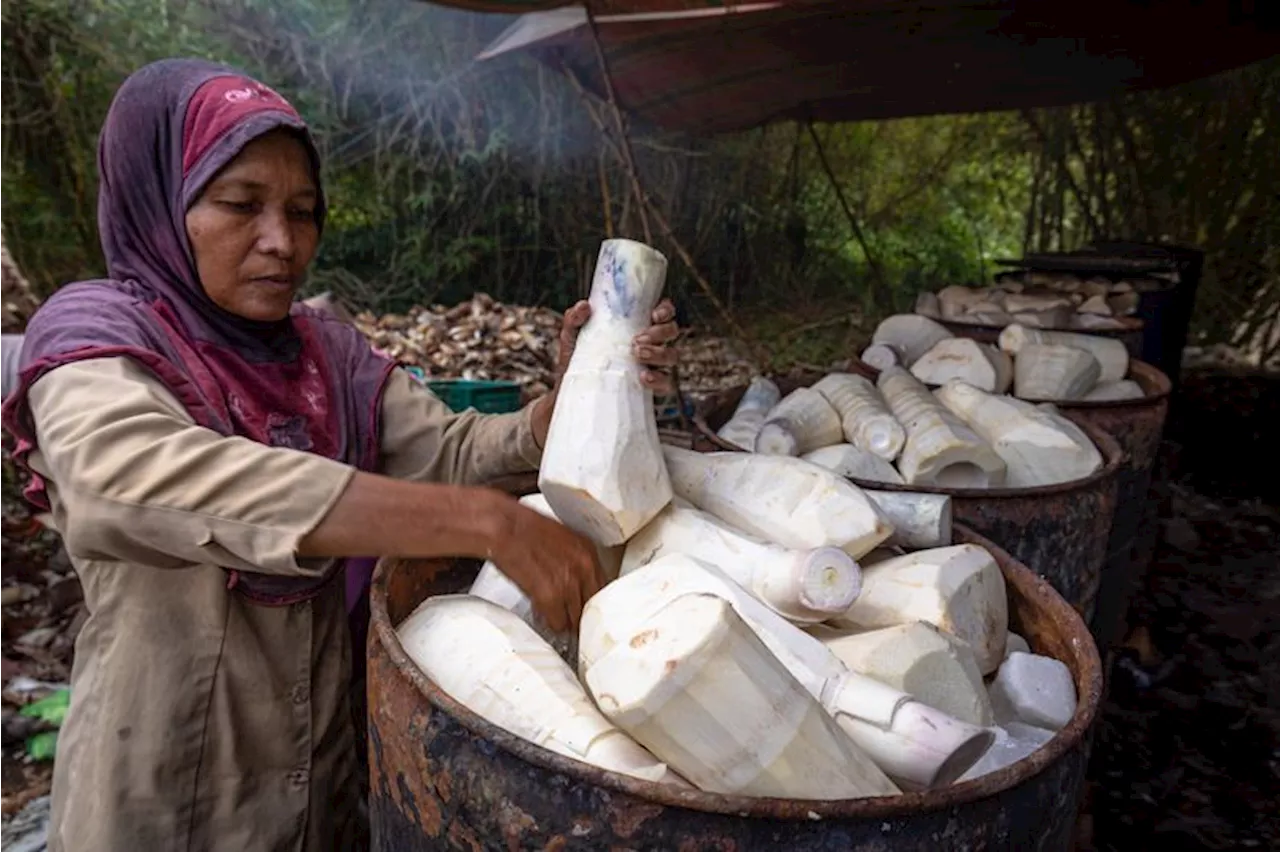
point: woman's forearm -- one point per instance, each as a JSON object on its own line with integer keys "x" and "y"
{"x": 380, "y": 516}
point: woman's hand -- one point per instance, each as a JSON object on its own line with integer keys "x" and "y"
{"x": 556, "y": 567}
{"x": 650, "y": 348}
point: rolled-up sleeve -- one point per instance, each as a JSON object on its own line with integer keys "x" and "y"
{"x": 133, "y": 477}
{"x": 423, "y": 441}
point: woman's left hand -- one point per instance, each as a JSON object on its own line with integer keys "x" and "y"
{"x": 649, "y": 346}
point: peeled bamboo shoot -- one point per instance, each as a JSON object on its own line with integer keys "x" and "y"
{"x": 849, "y": 461}
{"x": 865, "y": 418}
{"x": 1050, "y": 371}
{"x": 911, "y": 335}
{"x": 786, "y": 500}
{"x": 493, "y": 663}
{"x": 602, "y": 470}
{"x": 800, "y": 585}
{"x": 1114, "y": 391}
{"x": 940, "y": 449}
{"x": 968, "y": 360}
{"x": 1039, "y": 447}
{"x": 919, "y": 520}
{"x": 741, "y": 429}
{"x": 694, "y": 684}
{"x": 921, "y": 661}
{"x": 1113, "y": 358}
{"x": 958, "y": 589}
{"x": 917, "y": 745}
{"x": 1034, "y": 689}
{"x": 801, "y": 422}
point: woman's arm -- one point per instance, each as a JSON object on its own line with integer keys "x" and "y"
{"x": 133, "y": 478}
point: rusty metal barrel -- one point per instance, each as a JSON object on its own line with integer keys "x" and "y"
{"x": 1059, "y": 531}
{"x": 443, "y": 778}
{"x": 1137, "y": 425}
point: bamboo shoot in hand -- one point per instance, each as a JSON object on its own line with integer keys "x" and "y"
{"x": 602, "y": 470}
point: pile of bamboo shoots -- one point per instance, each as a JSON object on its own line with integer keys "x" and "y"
{"x": 1038, "y": 300}
{"x": 938, "y": 416}
{"x": 769, "y": 628}
{"x": 1032, "y": 363}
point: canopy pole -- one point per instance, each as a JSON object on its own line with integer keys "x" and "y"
{"x": 876, "y": 272}
{"x": 646, "y": 203}
{"x": 627, "y": 154}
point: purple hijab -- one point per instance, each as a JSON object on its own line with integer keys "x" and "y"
{"x": 309, "y": 382}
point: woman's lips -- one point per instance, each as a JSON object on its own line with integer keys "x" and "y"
{"x": 282, "y": 281}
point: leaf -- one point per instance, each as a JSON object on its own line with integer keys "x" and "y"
{"x": 42, "y": 746}
{"x": 52, "y": 709}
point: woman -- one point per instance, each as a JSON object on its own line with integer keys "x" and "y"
{"x": 208, "y": 450}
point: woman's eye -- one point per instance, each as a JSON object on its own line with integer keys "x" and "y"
{"x": 302, "y": 215}
{"x": 240, "y": 206}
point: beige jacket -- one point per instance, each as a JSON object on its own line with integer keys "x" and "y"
{"x": 199, "y": 721}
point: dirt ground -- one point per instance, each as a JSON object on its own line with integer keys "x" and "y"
{"x": 1186, "y": 753}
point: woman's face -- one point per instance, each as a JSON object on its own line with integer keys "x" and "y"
{"x": 254, "y": 231}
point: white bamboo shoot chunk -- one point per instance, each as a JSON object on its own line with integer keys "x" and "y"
{"x": 1034, "y": 689}
{"x": 802, "y": 421}
{"x": 967, "y": 360}
{"x": 927, "y": 305}
{"x": 1017, "y": 303}
{"x": 493, "y": 663}
{"x": 919, "y": 520}
{"x": 849, "y": 461}
{"x": 1124, "y": 304}
{"x": 602, "y": 468}
{"x": 800, "y": 585}
{"x": 940, "y": 449}
{"x": 1039, "y": 447}
{"x": 789, "y": 501}
{"x": 1095, "y": 305}
{"x": 921, "y": 661}
{"x": 1050, "y": 371}
{"x": 1113, "y": 358}
{"x": 917, "y": 745}
{"x": 882, "y": 356}
{"x": 911, "y": 335}
{"x": 1114, "y": 391}
{"x": 694, "y": 684}
{"x": 1014, "y": 741}
{"x": 1014, "y": 642}
{"x": 757, "y": 400}
{"x": 865, "y": 418}
{"x": 955, "y": 300}
{"x": 958, "y": 589}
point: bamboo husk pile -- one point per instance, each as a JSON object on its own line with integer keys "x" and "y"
{"x": 485, "y": 339}
{"x": 477, "y": 339}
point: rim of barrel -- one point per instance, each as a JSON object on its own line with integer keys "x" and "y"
{"x": 1029, "y": 586}
{"x": 1131, "y": 325}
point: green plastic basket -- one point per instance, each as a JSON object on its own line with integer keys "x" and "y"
{"x": 489, "y": 397}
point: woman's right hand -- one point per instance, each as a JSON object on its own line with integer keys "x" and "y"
{"x": 556, "y": 567}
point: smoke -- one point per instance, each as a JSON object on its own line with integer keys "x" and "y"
{"x": 400, "y": 77}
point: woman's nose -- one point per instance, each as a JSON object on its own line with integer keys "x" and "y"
{"x": 275, "y": 235}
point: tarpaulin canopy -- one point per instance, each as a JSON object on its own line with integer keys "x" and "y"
{"x": 710, "y": 67}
